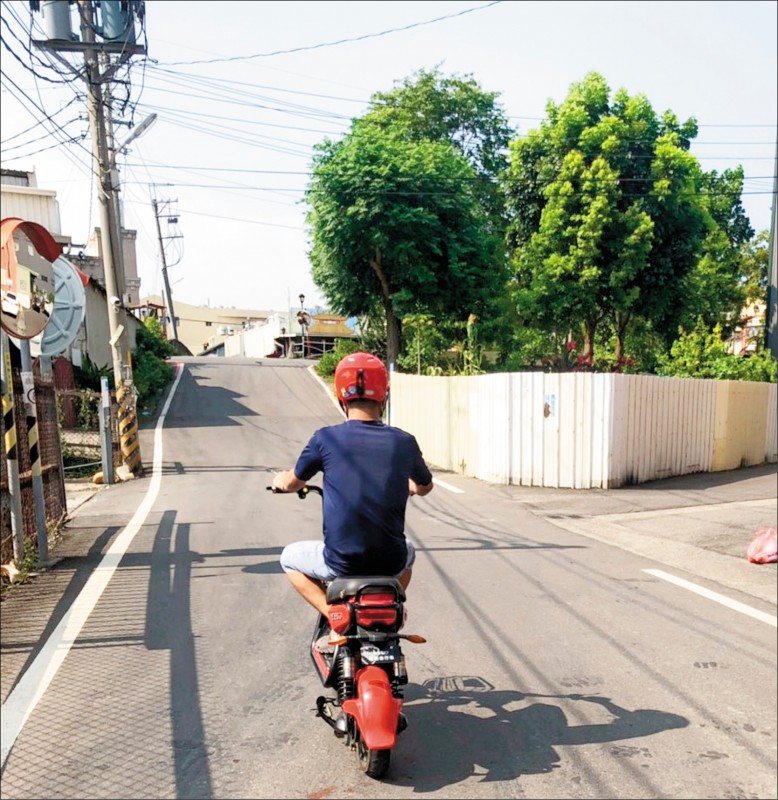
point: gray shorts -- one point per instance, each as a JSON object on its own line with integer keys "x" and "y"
{"x": 308, "y": 557}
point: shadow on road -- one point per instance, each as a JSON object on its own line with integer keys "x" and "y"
{"x": 462, "y": 726}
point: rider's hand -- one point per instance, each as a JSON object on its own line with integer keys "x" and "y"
{"x": 286, "y": 481}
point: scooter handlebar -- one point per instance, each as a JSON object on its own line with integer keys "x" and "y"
{"x": 301, "y": 493}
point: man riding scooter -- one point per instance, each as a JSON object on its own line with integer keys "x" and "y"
{"x": 370, "y": 469}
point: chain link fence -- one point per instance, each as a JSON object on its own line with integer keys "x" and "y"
{"x": 70, "y": 448}
{"x": 79, "y": 426}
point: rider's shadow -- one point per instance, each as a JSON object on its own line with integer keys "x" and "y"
{"x": 458, "y": 732}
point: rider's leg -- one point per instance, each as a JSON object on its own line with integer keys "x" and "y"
{"x": 405, "y": 577}
{"x": 311, "y": 590}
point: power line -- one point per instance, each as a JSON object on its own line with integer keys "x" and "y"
{"x": 37, "y": 125}
{"x": 48, "y": 118}
{"x": 337, "y": 42}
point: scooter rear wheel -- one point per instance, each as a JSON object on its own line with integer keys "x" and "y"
{"x": 374, "y": 763}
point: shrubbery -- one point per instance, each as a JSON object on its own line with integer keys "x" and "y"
{"x": 326, "y": 367}
{"x": 151, "y": 373}
{"x": 701, "y": 353}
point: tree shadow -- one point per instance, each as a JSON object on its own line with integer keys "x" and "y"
{"x": 462, "y": 726}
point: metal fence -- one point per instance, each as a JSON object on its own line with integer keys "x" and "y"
{"x": 69, "y": 443}
{"x": 79, "y": 426}
{"x": 585, "y": 430}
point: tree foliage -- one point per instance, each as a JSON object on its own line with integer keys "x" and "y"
{"x": 754, "y": 267}
{"x": 399, "y": 224}
{"x": 613, "y": 220}
{"x": 151, "y": 373}
{"x": 406, "y": 215}
{"x": 430, "y": 106}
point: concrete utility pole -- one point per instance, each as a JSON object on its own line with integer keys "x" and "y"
{"x": 56, "y": 18}
{"x": 109, "y": 233}
{"x": 118, "y": 38}
{"x": 168, "y": 294}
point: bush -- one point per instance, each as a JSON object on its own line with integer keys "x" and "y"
{"x": 151, "y": 373}
{"x": 325, "y": 368}
{"x": 702, "y": 353}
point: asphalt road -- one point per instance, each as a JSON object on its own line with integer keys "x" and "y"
{"x": 165, "y": 655}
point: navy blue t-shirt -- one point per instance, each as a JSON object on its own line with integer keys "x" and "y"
{"x": 366, "y": 467}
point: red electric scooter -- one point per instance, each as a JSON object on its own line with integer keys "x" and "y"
{"x": 365, "y": 666}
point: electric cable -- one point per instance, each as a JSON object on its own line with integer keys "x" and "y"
{"x": 339, "y": 41}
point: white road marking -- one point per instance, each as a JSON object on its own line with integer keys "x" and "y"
{"x": 718, "y": 598}
{"x": 31, "y": 687}
{"x": 444, "y": 485}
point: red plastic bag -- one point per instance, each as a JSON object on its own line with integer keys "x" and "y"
{"x": 762, "y": 549}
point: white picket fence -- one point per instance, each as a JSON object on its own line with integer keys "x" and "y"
{"x": 583, "y": 430}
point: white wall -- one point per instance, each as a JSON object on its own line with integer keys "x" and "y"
{"x": 256, "y": 342}
{"x": 583, "y": 430}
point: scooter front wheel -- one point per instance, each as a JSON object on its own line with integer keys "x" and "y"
{"x": 374, "y": 763}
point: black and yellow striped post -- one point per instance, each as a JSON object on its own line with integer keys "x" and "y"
{"x": 11, "y": 453}
{"x": 126, "y": 398}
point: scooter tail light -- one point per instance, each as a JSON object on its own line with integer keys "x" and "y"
{"x": 366, "y": 617}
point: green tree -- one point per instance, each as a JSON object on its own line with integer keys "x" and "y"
{"x": 430, "y": 106}
{"x": 715, "y": 288}
{"x": 754, "y": 263}
{"x": 399, "y": 223}
{"x": 607, "y": 218}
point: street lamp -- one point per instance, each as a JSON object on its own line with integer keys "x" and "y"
{"x": 115, "y": 215}
{"x": 116, "y": 210}
{"x": 139, "y": 131}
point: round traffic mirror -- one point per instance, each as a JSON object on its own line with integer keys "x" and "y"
{"x": 27, "y": 279}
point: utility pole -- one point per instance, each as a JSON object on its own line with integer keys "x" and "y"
{"x": 109, "y": 234}
{"x": 99, "y": 70}
{"x": 56, "y": 18}
{"x": 113, "y": 181}
{"x": 168, "y": 295}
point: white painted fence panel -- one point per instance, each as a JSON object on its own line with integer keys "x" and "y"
{"x": 581, "y": 430}
{"x": 771, "y": 425}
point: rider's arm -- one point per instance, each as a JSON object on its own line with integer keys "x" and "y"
{"x": 418, "y": 489}
{"x": 287, "y": 481}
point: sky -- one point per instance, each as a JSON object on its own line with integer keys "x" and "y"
{"x": 243, "y": 91}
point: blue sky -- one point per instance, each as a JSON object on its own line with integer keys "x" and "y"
{"x": 234, "y": 136}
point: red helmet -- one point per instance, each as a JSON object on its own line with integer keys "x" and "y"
{"x": 361, "y": 376}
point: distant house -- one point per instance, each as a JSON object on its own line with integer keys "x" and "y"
{"x": 200, "y": 329}
{"x": 220, "y": 331}
{"x": 750, "y": 331}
